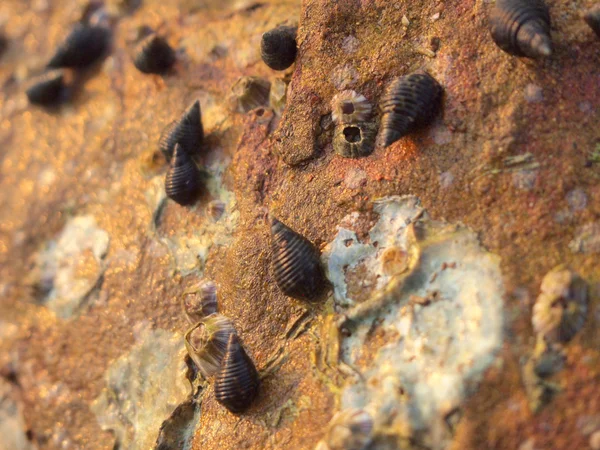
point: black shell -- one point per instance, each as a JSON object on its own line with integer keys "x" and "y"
{"x": 278, "y": 47}
{"x": 408, "y": 103}
{"x": 154, "y": 55}
{"x": 47, "y": 89}
{"x": 182, "y": 183}
{"x": 296, "y": 265}
{"x": 186, "y": 131}
{"x": 353, "y": 140}
{"x": 237, "y": 382}
{"x": 83, "y": 46}
{"x": 522, "y": 27}
{"x": 592, "y": 17}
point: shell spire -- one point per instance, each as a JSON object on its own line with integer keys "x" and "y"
{"x": 522, "y": 27}
{"x": 182, "y": 182}
{"x": 154, "y": 55}
{"x": 296, "y": 264}
{"x": 186, "y": 131}
{"x": 237, "y": 383}
{"x": 278, "y": 47}
{"x": 83, "y": 46}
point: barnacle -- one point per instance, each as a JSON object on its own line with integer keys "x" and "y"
{"x": 202, "y": 302}
{"x": 351, "y": 429}
{"x": 353, "y": 140}
{"x": 350, "y": 107}
{"x": 250, "y": 92}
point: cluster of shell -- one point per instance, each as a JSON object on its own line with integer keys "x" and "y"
{"x": 214, "y": 346}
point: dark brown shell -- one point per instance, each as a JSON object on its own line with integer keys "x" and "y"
{"x": 182, "y": 183}
{"x": 83, "y": 47}
{"x": 237, "y": 382}
{"x": 592, "y": 18}
{"x": 186, "y": 131}
{"x": 278, "y": 47}
{"x": 296, "y": 264}
{"x": 154, "y": 55}
{"x": 353, "y": 140}
{"x": 408, "y": 103}
{"x": 522, "y": 27}
{"x": 47, "y": 89}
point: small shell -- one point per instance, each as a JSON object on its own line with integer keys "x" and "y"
{"x": 560, "y": 309}
{"x": 216, "y": 209}
{"x": 186, "y": 131}
{"x": 182, "y": 182}
{"x": 592, "y": 18}
{"x": 206, "y": 343}
{"x": 83, "y": 46}
{"x": 278, "y": 47}
{"x": 350, "y": 107}
{"x": 296, "y": 265}
{"x": 250, "y": 92}
{"x": 354, "y": 140}
{"x": 408, "y": 103}
{"x": 47, "y": 89}
{"x": 351, "y": 429}
{"x": 3, "y": 43}
{"x": 522, "y": 27}
{"x": 154, "y": 55}
{"x": 202, "y": 302}
{"x": 237, "y": 383}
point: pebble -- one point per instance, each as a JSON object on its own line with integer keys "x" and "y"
{"x": 533, "y": 93}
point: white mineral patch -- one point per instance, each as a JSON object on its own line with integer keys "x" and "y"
{"x": 143, "y": 387}
{"x": 440, "y": 319}
{"x": 81, "y": 243}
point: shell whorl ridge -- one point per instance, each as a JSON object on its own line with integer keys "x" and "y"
{"x": 206, "y": 343}
{"x": 408, "y": 103}
{"x": 47, "y": 89}
{"x": 350, "y": 107}
{"x": 296, "y": 264}
{"x": 186, "y": 131}
{"x": 522, "y": 27}
{"x": 84, "y": 46}
{"x": 237, "y": 382}
{"x": 351, "y": 429}
{"x": 154, "y": 55}
{"x": 278, "y": 47}
{"x": 592, "y": 18}
{"x": 182, "y": 182}
{"x": 353, "y": 140}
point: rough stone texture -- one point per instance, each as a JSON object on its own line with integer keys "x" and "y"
{"x": 504, "y": 166}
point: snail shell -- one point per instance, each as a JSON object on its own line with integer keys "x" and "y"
{"x": 408, "y": 103}
{"x": 560, "y": 309}
{"x": 186, "y": 131}
{"x": 206, "y": 343}
{"x": 278, "y": 47}
{"x": 522, "y": 27}
{"x": 182, "y": 182}
{"x": 84, "y": 46}
{"x": 350, "y": 107}
{"x": 353, "y": 140}
{"x": 47, "y": 89}
{"x": 296, "y": 265}
{"x": 202, "y": 303}
{"x": 351, "y": 429}
{"x": 592, "y": 18}
{"x": 154, "y": 55}
{"x": 237, "y": 382}
{"x": 250, "y": 92}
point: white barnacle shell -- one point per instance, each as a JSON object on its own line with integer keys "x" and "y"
{"x": 351, "y": 429}
{"x": 350, "y": 107}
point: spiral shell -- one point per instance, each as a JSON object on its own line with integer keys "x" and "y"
{"x": 592, "y": 18}
{"x": 278, "y": 47}
{"x": 522, "y": 27}
{"x": 351, "y": 429}
{"x": 206, "y": 343}
{"x": 560, "y": 309}
{"x": 296, "y": 265}
{"x": 182, "y": 182}
{"x": 353, "y": 140}
{"x": 237, "y": 382}
{"x": 202, "y": 302}
{"x": 47, "y": 89}
{"x": 154, "y": 55}
{"x": 84, "y": 46}
{"x": 408, "y": 103}
{"x": 350, "y": 107}
{"x": 250, "y": 92}
{"x": 186, "y": 131}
